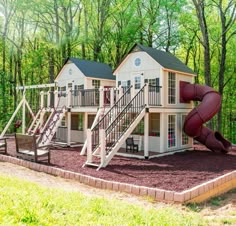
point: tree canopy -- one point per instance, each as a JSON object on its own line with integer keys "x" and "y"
{"x": 38, "y": 35}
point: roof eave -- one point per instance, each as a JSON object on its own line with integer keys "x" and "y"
{"x": 181, "y": 72}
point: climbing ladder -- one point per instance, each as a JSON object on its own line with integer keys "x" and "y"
{"x": 37, "y": 122}
{"x": 106, "y": 138}
{"x": 50, "y": 127}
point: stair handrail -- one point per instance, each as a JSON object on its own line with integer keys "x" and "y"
{"x": 95, "y": 129}
{"x": 116, "y": 104}
{"x": 124, "y": 112}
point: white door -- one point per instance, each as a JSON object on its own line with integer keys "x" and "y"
{"x": 138, "y": 82}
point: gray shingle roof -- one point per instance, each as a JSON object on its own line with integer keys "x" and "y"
{"x": 93, "y": 69}
{"x": 165, "y": 59}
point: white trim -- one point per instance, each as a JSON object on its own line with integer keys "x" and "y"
{"x": 174, "y": 130}
{"x": 101, "y": 79}
{"x": 182, "y": 132}
{"x": 36, "y": 86}
{"x": 168, "y": 94}
{"x": 179, "y": 72}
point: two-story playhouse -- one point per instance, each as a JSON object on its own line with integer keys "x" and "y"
{"x": 102, "y": 108}
{"x": 144, "y": 104}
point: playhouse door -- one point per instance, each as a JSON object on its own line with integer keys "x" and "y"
{"x": 138, "y": 82}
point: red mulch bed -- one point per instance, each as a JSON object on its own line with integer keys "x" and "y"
{"x": 176, "y": 172}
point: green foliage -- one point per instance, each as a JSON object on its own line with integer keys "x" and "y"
{"x": 23, "y": 203}
{"x": 37, "y": 36}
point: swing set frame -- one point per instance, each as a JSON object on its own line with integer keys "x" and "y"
{"x": 24, "y": 104}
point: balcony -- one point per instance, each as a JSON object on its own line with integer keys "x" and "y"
{"x": 97, "y": 97}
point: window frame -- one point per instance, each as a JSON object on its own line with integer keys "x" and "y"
{"x": 137, "y": 85}
{"x": 184, "y": 137}
{"x": 172, "y": 142}
{"x": 171, "y": 88}
{"x": 96, "y": 83}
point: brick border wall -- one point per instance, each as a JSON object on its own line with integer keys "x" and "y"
{"x": 196, "y": 194}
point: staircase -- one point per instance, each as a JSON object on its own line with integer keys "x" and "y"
{"x": 37, "y": 122}
{"x": 50, "y": 127}
{"x": 112, "y": 130}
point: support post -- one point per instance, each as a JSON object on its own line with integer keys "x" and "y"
{"x": 85, "y": 124}
{"x": 146, "y": 95}
{"x": 163, "y": 131}
{"x": 69, "y": 117}
{"x": 101, "y": 99}
{"x": 30, "y": 110}
{"x": 103, "y": 146}
{"x": 48, "y": 99}
{"x": 11, "y": 119}
{"x": 23, "y": 114}
{"x": 146, "y": 135}
{"x": 111, "y": 97}
{"x": 55, "y": 99}
{"x": 120, "y": 91}
{"x": 89, "y": 146}
{"x": 41, "y": 99}
{"x": 94, "y": 123}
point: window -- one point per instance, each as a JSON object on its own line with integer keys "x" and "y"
{"x": 62, "y": 88}
{"x": 79, "y": 87}
{"x": 124, "y": 83}
{"x": 69, "y": 85}
{"x": 152, "y": 82}
{"x": 62, "y": 91}
{"x": 63, "y": 121}
{"x": 139, "y": 129}
{"x": 154, "y": 125}
{"x": 96, "y": 84}
{"x": 184, "y": 138}
{"x": 137, "y": 62}
{"x": 171, "y": 131}
{"x": 171, "y": 88}
{"x": 90, "y": 120}
{"x": 77, "y": 122}
{"x": 137, "y": 82}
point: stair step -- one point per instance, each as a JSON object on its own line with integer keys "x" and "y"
{"x": 91, "y": 164}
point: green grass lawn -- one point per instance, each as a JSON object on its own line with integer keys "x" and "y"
{"x": 25, "y": 203}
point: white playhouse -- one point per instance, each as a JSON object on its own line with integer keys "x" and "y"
{"x": 102, "y": 109}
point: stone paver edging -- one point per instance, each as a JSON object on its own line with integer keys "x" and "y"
{"x": 196, "y": 194}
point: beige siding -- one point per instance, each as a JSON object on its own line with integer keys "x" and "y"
{"x": 179, "y": 77}
{"x": 103, "y": 82}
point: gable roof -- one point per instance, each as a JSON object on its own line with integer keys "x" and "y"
{"x": 93, "y": 69}
{"x": 165, "y": 59}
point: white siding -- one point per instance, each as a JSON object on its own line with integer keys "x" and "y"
{"x": 70, "y": 74}
{"x": 148, "y": 67}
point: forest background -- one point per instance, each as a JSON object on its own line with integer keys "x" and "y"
{"x": 38, "y": 35}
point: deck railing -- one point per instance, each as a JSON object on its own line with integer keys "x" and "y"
{"x": 154, "y": 95}
{"x": 85, "y": 98}
{"x": 91, "y": 97}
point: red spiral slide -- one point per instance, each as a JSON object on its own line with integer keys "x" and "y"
{"x": 209, "y": 106}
